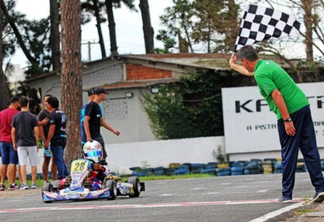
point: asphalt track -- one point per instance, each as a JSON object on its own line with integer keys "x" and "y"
{"x": 223, "y": 199}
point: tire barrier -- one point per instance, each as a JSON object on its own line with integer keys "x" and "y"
{"x": 225, "y": 171}
{"x": 222, "y": 165}
{"x": 322, "y": 164}
{"x": 241, "y": 167}
{"x": 208, "y": 171}
{"x": 267, "y": 167}
{"x": 197, "y": 167}
{"x": 300, "y": 167}
{"x": 277, "y": 168}
{"x": 254, "y": 167}
{"x": 158, "y": 171}
{"x": 237, "y": 170}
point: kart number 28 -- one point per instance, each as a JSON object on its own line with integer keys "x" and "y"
{"x": 79, "y": 166}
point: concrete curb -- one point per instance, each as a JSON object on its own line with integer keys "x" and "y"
{"x": 284, "y": 213}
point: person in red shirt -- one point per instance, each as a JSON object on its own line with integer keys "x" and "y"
{"x": 9, "y": 156}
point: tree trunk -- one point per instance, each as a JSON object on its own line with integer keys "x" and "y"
{"x": 4, "y": 91}
{"x": 111, "y": 27}
{"x": 22, "y": 45}
{"x": 147, "y": 27}
{"x": 71, "y": 75}
{"x": 98, "y": 25}
{"x": 55, "y": 35}
{"x": 307, "y": 5}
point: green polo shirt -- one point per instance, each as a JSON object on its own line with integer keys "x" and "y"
{"x": 270, "y": 76}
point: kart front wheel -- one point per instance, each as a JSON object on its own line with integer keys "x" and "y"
{"x": 111, "y": 184}
{"x": 48, "y": 187}
{"x": 136, "y": 186}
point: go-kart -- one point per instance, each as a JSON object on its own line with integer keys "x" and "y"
{"x": 78, "y": 187}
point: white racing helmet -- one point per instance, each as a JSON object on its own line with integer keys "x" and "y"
{"x": 93, "y": 151}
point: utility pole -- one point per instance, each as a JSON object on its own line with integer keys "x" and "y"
{"x": 89, "y": 48}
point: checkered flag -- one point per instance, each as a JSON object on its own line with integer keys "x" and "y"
{"x": 260, "y": 23}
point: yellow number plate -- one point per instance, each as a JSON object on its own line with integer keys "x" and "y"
{"x": 79, "y": 166}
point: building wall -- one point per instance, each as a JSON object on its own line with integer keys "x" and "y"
{"x": 138, "y": 72}
{"x": 127, "y": 115}
{"x": 124, "y": 114}
{"x": 102, "y": 73}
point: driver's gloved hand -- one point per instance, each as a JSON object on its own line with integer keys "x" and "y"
{"x": 103, "y": 162}
{"x": 97, "y": 166}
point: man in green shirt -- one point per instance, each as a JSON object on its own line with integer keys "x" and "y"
{"x": 295, "y": 124}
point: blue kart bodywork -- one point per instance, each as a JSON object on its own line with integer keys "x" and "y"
{"x": 77, "y": 187}
{"x": 78, "y": 194}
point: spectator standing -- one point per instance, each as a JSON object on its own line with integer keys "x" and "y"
{"x": 43, "y": 122}
{"x": 93, "y": 120}
{"x": 57, "y": 137}
{"x": 8, "y": 153}
{"x": 25, "y": 139}
{"x": 295, "y": 124}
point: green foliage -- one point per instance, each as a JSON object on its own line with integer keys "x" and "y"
{"x": 34, "y": 100}
{"x": 218, "y": 155}
{"x": 167, "y": 40}
{"x": 189, "y": 108}
{"x": 213, "y": 23}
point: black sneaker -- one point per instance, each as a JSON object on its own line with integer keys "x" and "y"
{"x": 318, "y": 197}
{"x": 13, "y": 187}
{"x": 285, "y": 200}
{"x": 2, "y": 187}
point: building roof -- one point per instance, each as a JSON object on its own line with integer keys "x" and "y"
{"x": 195, "y": 60}
{"x": 136, "y": 84}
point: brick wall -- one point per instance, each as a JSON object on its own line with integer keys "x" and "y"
{"x": 138, "y": 72}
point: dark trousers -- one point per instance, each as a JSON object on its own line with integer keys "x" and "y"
{"x": 304, "y": 140}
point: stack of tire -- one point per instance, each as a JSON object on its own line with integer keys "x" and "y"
{"x": 277, "y": 167}
{"x": 322, "y": 164}
{"x": 172, "y": 168}
{"x": 237, "y": 168}
{"x": 197, "y": 167}
{"x": 254, "y": 167}
{"x": 273, "y": 162}
{"x": 301, "y": 167}
{"x": 223, "y": 169}
{"x": 158, "y": 171}
{"x": 210, "y": 168}
{"x": 267, "y": 167}
{"x": 183, "y": 169}
{"x": 138, "y": 171}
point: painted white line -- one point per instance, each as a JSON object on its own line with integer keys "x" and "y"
{"x": 179, "y": 204}
{"x": 262, "y": 191}
{"x": 166, "y": 195}
{"x": 198, "y": 188}
{"x": 277, "y": 212}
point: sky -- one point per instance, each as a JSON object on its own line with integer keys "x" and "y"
{"x": 129, "y": 30}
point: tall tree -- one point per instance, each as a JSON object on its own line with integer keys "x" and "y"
{"x": 178, "y": 20}
{"x": 110, "y": 5}
{"x": 55, "y": 35}
{"x": 71, "y": 75}
{"x": 20, "y": 40}
{"x": 4, "y": 92}
{"x": 147, "y": 27}
{"x": 95, "y": 7}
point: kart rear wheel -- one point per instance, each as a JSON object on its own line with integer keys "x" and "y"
{"x": 111, "y": 184}
{"x": 48, "y": 187}
{"x": 136, "y": 186}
